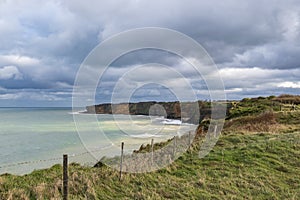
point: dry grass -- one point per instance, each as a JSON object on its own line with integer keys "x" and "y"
{"x": 265, "y": 122}
{"x": 262, "y": 165}
{"x": 255, "y": 166}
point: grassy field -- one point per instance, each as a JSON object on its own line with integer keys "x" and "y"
{"x": 247, "y": 163}
{"x": 252, "y": 166}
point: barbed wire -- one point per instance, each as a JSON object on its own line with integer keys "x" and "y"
{"x": 53, "y": 159}
{"x": 71, "y": 155}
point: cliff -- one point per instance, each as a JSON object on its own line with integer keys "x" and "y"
{"x": 186, "y": 111}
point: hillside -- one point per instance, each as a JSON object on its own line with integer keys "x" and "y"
{"x": 256, "y": 157}
{"x": 251, "y": 106}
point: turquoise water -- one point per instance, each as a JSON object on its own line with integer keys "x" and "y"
{"x": 34, "y": 138}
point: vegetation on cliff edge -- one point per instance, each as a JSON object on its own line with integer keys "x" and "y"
{"x": 257, "y": 157}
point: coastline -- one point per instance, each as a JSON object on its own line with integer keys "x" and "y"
{"x": 190, "y": 175}
{"x": 187, "y": 112}
{"x": 259, "y": 147}
{"x": 60, "y": 132}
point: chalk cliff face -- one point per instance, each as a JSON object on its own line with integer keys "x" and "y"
{"x": 190, "y": 112}
{"x": 142, "y": 108}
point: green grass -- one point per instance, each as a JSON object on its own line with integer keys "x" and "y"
{"x": 257, "y": 157}
{"x": 252, "y": 106}
{"x": 253, "y": 166}
{"x": 255, "y": 106}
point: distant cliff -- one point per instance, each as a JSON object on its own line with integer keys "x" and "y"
{"x": 186, "y": 111}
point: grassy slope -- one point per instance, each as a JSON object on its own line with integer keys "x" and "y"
{"x": 250, "y": 164}
{"x": 256, "y": 166}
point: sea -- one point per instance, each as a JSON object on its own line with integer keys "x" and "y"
{"x": 37, "y": 138}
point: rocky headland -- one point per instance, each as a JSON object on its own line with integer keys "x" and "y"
{"x": 188, "y": 112}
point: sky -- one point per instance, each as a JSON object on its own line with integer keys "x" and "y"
{"x": 255, "y": 45}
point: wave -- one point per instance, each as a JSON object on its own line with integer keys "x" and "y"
{"x": 172, "y": 122}
{"x": 145, "y": 135}
{"x": 78, "y": 112}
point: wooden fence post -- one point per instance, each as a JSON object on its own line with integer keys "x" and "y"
{"x": 189, "y": 148}
{"x": 152, "y": 150}
{"x": 215, "y": 131}
{"x": 65, "y": 177}
{"x": 174, "y": 146}
{"x": 121, "y": 159}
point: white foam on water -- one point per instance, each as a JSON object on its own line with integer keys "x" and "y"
{"x": 33, "y": 134}
{"x": 172, "y": 122}
{"x": 146, "y": 135}
{"x": 78, "y": 112}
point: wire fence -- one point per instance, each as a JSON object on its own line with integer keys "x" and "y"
{"x": 181, "y": 146}
{"x": 53, "y": 160}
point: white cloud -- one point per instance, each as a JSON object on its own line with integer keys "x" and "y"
{"x": 247, "y": 73}
{"x": 289, "y": 84}
{"x": 233, "y": 90}
{"x": 10, "y": 72}
{"x": 18, "y": 60}
{"x": 32, "y": 95}
{"x": 44, "y": 42}
{"x": 9, "y": 96}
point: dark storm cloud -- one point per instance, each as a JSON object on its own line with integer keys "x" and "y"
{"x": 44, "y": 42}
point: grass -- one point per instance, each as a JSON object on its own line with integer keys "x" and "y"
{"x": 255, "y": 106}
{"x": 252, "y": 166}
{"x": 256, "y": 157}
